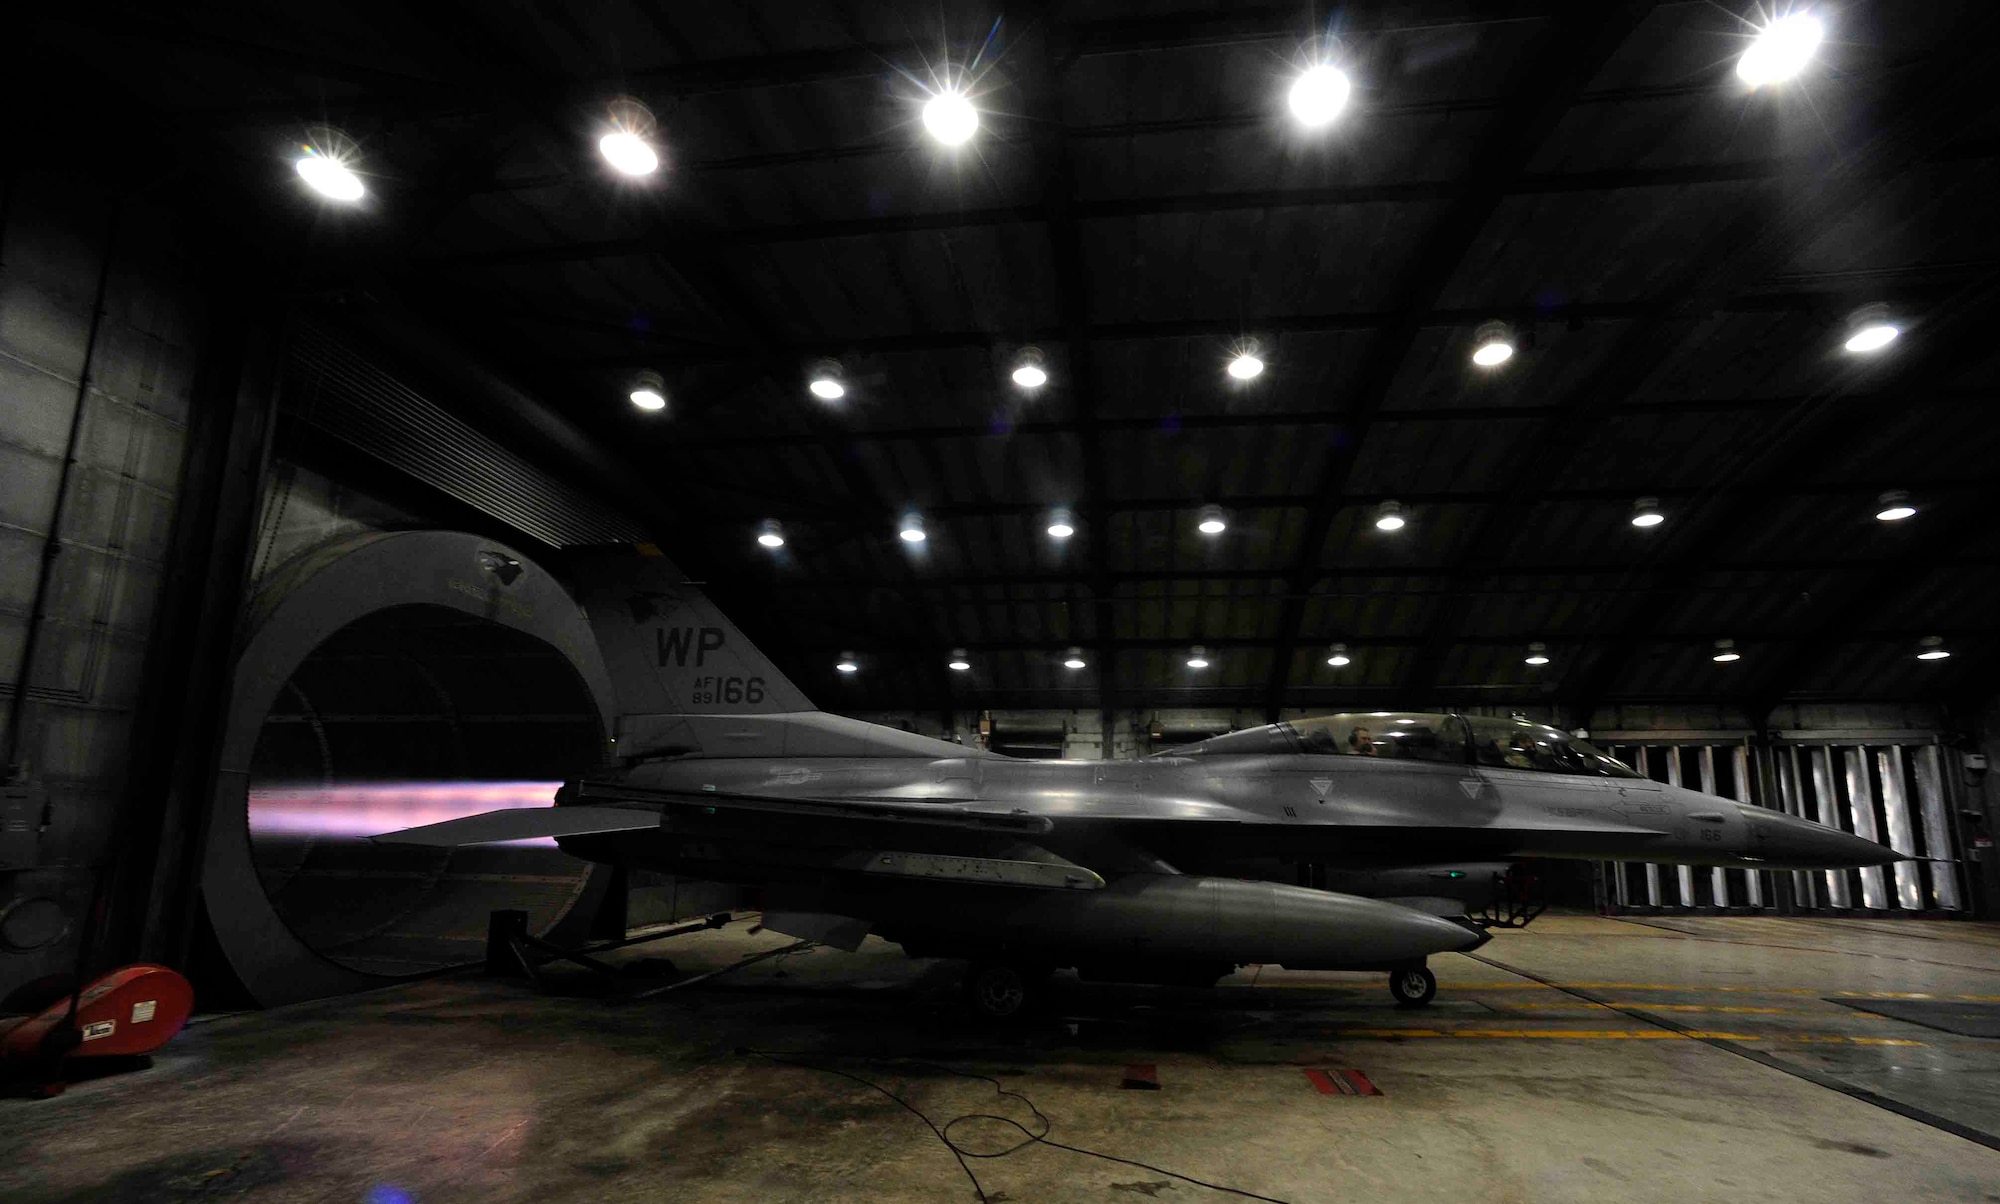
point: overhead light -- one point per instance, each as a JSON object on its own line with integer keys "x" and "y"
{"x": 847, "y": 663}
{"x": 1318, "y": 95}
{"x": 1895, "y": 506}
{"x": 912, "y": 529}
{"x": 1646, "y": 512}
{"x": 628, "y": 143}
{"x": 1869, "y": 330}
{"x": 629, "y": 153}
{"x": 771, "y": 535}
{"x": 1725, "y": 652}
{"x": 649, "y": 391}
{"x": 1212, "y": 521}
{"x": 1030, "y": 368}
{"x": 958, "y": 662}
{"x": 1782, "y": 49}
{"x": 950, "y": 117}
{"x": 1492, "y": 345}
{"x": 1538, "y": 654}
{"x": 827, "y": 381}
{"x": 1338, "y": 657}
{"x": 1389, "y": 517}
{"x": 1197, "y": 657}
{"x": 1075, "y": 658}
{"x": 1931, "y": 648}
{"x": 1062, "y": 524}
{"x": 1248, "y": 361}
{"x": 327, "y": 175}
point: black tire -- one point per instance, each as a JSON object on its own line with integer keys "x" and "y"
{"x": 1002, "y": 991}
{"x": 1413, "y": 986}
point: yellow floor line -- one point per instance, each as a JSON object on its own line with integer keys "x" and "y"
{"x": 1614, "y": 1034}
{"x": 1641, "y": 986}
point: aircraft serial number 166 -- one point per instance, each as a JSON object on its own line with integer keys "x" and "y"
{"x": 712, "y": 689}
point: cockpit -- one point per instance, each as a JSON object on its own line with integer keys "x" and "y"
{"x": 1415, "y": 736}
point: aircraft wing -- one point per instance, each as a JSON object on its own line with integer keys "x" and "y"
{"x": 524, "y": 823}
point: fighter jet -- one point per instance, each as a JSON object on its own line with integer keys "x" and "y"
{"x": 1124, "y": 870}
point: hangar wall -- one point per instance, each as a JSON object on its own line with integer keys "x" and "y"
{"x": 103, "y": 319}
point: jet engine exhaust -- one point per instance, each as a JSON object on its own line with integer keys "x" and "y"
{"x": 357, "y": 810}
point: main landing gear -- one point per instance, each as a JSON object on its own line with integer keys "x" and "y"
{"x": 1004, "y": 990}
{"x": 1413, "y": 986}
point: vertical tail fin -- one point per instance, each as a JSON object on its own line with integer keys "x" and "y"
{"x": 668, "y": 649}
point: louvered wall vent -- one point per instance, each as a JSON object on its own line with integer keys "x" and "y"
{"x": 337, "y": 390}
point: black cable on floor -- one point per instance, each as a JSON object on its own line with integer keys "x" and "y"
{"x": 1028, "y": 1136}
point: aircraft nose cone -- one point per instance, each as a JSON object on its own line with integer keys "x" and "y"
{"x": 1788, "y": 842}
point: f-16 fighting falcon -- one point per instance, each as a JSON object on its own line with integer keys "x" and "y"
{"x": 1138, "y": 870}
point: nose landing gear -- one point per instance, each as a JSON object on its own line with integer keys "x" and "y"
{"x": 1413, "y": 986}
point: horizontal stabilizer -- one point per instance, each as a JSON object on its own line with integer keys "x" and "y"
{"x": 525, "y": 823}
{"x": 899, "y": 810}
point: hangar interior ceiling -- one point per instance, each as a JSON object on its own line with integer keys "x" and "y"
{"x": 1677, "y": 256}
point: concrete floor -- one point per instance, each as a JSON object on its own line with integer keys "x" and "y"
{"x": 1505, "y": 1089}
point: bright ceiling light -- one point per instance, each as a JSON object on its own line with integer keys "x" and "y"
{"x": 771, "y": 535}
{"x": 1075, "y": 658}
{"x": 1248, "y": 362}
{"x": 826, "y": 381}
{"x": 629, "y": 153}
{"x": 1869, "y": 330}
{"x": 912, "y": 530}
{"x": 1725, "y": 652}
{"x": 1318, "y": 95}
{"x": 1932, "y": 649}
{"x": 328, "y": 176}
{"x": 958, "y": 662}
{"x": 1212, "y": 521}
{"x": 1031, "y": 368}
{"x": 1782, "y": 50}
{"x": 1538, "y": 654}
{"x": 1197, "y": 657}
{"x": 1062, "y": 525}
{"x": 1895, "y": 506}
{"x": 1338, "y": 657}
{"x": 1646, "y": 512}
{"x": 1492, "y": 345}
{"x": 847, "y": 663}
{"x": 1389, "y": 517}
{"x": 950, "y": 117}
{"x": 649, "y": 391}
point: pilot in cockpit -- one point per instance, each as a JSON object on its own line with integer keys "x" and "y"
{"x": 1361, "y": 742}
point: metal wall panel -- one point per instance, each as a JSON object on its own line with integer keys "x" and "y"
{"x": 1826, "y": 810}
{"x": 1861, "y": 809}
{"x": 1940, "y": 850}
{"x": 1909, "y": 883}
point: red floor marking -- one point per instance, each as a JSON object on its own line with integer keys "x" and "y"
{"x": 1141, "y": 1076}
{"x": 1341, "y": 1082}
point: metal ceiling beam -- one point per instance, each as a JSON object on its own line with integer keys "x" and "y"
{"x": 862, "y": 516}
{"x": 1042, "y": 86}
{"x": 1419, "y": 191}
{"x": 1700, "y": 639}
{"x": 1844, "y": 612}
{"x": 1750, "y": 248}
{"x": 1421, "y": 572}
{"x": 1951, "y": 334}
{"x": 1255, "y": 419}
{"x": 1548, "y": 84}
{"x": 1807, "y": 294}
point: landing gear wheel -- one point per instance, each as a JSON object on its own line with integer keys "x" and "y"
{"x": 1002, "y": 990}
{"x": 1413, "y": 986}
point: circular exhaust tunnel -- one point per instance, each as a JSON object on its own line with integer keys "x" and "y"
{"x": 414, "y": 715}
{"x": 387, "y": 681}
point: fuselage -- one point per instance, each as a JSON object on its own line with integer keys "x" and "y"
{"x": 1271, "y": 793}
